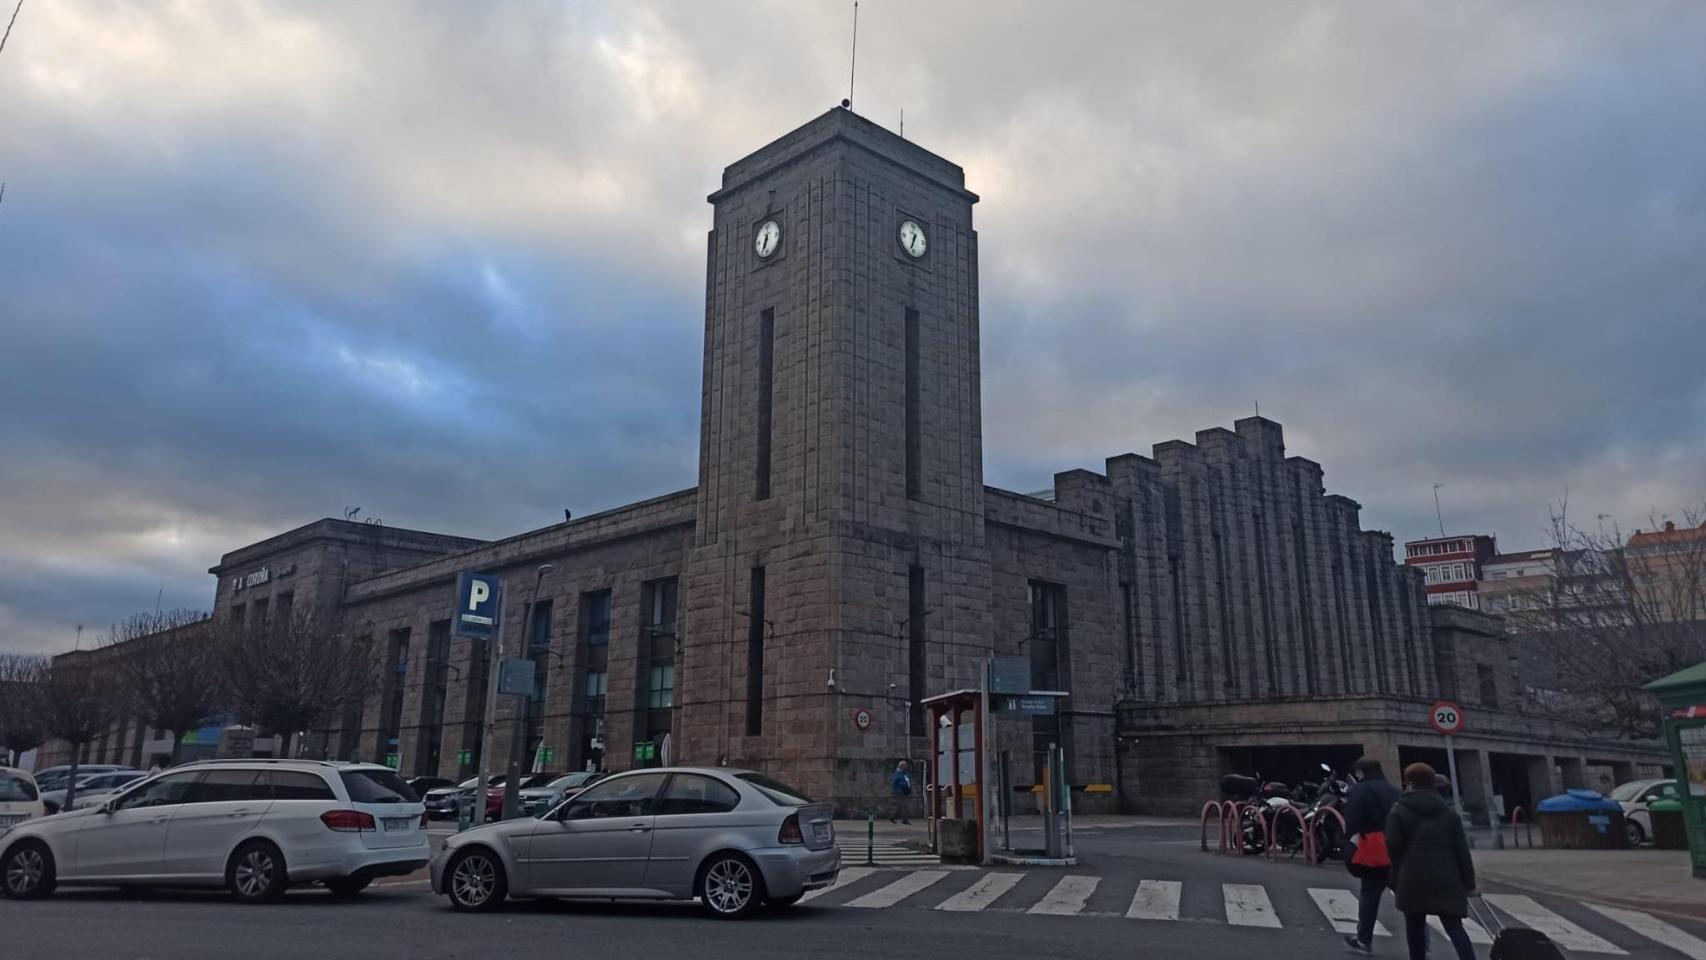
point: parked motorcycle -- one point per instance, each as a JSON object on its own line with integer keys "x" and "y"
{"x": 1257, "y": 801}
{"x": 1328, "y": 830}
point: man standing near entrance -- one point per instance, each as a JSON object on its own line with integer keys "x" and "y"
{"x": 900, "y": 786}
{"x": 1366, "y": 807}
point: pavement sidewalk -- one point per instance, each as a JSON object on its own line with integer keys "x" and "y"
{"x": 1652, "y": 880}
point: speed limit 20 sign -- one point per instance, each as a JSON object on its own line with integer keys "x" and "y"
{"x": 1446, "y": 717}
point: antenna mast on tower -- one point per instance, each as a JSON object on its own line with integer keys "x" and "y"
{"x": 853, "y": 60}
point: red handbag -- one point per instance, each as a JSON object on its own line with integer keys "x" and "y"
{"x": 1371, "y": 851}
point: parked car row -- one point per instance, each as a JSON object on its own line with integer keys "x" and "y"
{"x": 54, "y": 783}
{"x": 539, "y": 792}
{"x": 737, "y": 840}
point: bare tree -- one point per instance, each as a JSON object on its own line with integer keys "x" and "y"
{"x": 292, "y": 676}
{"x": 171, "y": 678}
{"x": 22, "y": 720}
{"x": 1619, "y": 613}
{"x": 80, "y": 693}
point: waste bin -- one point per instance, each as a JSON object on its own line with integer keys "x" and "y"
{"x": 958, "y": 840}
{"x": 1669, "y": 830}
{"x": 1581, "y": 820}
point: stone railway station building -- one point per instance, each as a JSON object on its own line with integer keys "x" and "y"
{"x": 1209, "y": 608}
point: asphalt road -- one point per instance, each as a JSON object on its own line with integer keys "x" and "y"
{"x": 405, "y": 921}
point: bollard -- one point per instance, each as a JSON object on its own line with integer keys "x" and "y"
{"x": 871, "y": 839}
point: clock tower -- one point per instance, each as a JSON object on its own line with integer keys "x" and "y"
{"x": 838, "y": 571}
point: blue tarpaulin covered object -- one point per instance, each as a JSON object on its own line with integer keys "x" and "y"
{"x": 1578, "y": 801}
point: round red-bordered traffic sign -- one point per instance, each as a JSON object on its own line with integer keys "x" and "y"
{"x": 862, "y": 718}
{"x": 1446, "y": 717}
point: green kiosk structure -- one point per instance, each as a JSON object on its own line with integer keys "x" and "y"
{"x": 1683, "y": 697}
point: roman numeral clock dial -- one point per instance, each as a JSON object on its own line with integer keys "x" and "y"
{"x": 912, "y": 239}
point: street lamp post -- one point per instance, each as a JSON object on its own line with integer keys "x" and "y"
{"x": 512, "y": 783}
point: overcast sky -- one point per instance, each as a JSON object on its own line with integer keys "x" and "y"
{"x": 262, "y": 262}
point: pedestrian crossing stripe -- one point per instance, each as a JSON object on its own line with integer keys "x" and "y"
{"x": 1245, "y": 905}
{"x": 1340, "y": 908}
{"x": 898, "y": 890}
{"x": 1564, "y": 933}
{"x": 1654, "y": 929}
{"x": 1477, "y": 933}
{"x": 1155, "y": 900}
{"x": 981, "y": 894}
{"x": 1068, "y": 896}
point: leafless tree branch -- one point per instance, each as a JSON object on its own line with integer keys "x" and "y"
{"x": 22, "y": 724}
{"x": 1619, "y": 613}
{"x": 292, "y": 676}
{"x": 170, "y": 678}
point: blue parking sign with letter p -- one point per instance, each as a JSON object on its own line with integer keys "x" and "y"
{"x": 479, "y": 605}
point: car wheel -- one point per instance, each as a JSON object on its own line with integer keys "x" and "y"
{"x": 730, "y": 887}
{"x": 256, "y": 873}
{"x": 1637, "y": 836}
{"x": 475, "y": 881}
{"x": 348, "y": 886}
{"x": 27, "y": 872}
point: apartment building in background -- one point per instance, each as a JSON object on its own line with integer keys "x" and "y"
{"x": 1451, "y": 567}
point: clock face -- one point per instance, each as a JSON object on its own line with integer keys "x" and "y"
{"x": 912, "y": 238}
{"x": 769, "y": 237}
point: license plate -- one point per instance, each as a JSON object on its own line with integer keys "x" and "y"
{"x": 393, "y": 824}
{"x": 11, "y": 821}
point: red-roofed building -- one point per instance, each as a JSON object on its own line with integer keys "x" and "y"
{"x": 1451, "y": 566}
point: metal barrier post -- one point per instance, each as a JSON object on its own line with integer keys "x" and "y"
{"x": 871, "y": 839}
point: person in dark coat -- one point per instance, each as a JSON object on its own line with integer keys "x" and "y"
{"x": 1365, "y": 810}
{"x": 1432, "y": 873}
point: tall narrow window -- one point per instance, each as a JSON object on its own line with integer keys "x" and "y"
{"x": 914, "y": 413}
{"x": 349, "y": 737}
{"x": 1048, "y": 629}
{"x": 1128, "y": 631}
{"x": 595, "y": 676}
{"x": 430, "y": 736}
{"x": 539, "y": 651}
{"x": 656, "y": 689}
{"x": 755, "y": 656}
{"x": 766, "y": 378}
{"x": 397, "y": 664}
{"x": 915, "y": 660}
{"x": 474, "y": 707}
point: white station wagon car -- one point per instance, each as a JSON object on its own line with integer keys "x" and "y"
{"x": 252, "y": 826}
{"x": 735, "y": 839}
{"x": 19, "y": 798}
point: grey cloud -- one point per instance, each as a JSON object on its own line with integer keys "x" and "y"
{"x": 260, "y": 261}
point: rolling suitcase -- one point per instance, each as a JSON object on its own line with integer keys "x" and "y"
{"x": 1513, "y": 943}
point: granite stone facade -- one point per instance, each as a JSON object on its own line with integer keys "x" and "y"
{"x": 840, "y": 555}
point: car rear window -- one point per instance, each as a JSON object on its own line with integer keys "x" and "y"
{"x": 1628, "y": 791}
{"x": 15, "y": 789}
{"x": 296, "y": 785}
{"x": 377, "y": 786}
{"x": 779, "y": 793}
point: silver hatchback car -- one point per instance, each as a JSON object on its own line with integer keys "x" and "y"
{"x": 735, "y": 839}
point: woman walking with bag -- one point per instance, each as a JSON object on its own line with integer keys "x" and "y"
{"x": 1432, "y": 874}
{"x": 1365, "y": 810}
